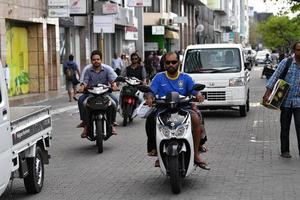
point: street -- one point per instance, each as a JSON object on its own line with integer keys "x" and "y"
{"x": 243, "y": 156}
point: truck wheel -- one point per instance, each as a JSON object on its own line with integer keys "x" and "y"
{"x": 99, "y": 139}
{"x": 34, "y": 180}
{"x": 243, "y": 111}
{"x": 175, "y": 177}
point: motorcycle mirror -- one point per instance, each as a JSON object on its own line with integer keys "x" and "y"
{"x": 144, "y": 88}
{"x": 198, "y": 87}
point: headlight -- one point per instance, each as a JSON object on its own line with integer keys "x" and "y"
{"x": 180, "y": 130}
{"x": 165, "y": 131}
{"x": 237, "y": 81}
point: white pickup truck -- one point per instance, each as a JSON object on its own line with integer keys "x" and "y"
{"x": 24, "y": 142}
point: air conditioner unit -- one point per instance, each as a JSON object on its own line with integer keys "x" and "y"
{"x": 163, "y": 21}
{"x": 170, "y": 22}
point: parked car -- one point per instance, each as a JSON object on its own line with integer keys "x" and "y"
{"x": 260, "y": 56}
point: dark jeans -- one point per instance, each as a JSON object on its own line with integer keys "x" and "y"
{"x": 285, "y": 122}
{"x": 111, "y": 112}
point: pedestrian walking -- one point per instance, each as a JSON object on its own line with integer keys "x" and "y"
{"x": 291, "y": 104}
{"x": 117, "y": 64}
{"x": 71, "y": 72}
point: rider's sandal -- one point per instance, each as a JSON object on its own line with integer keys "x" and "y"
{"x": 202, "y": 165}
{"x": 203, "y": 149}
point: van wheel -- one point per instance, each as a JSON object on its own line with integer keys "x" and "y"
{"x": 243, "y": 111}
{"x": 34, "y": 180}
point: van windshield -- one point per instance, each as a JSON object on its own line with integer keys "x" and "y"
{"x": 225, "y": 60}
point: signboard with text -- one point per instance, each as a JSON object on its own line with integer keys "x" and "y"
{"x": 110, "y": 8}
{"x": 158, "y": 30}
{"x": 104, "y": 23}
{"x": 58, "y": 8}
{"x": 139, "y": 3}
{"x": 77, "y": 7}
{"x": 131, "y": 33}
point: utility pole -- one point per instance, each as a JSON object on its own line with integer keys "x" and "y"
{"x": 139, "y": 14}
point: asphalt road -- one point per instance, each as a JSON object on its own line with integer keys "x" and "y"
{"x": 243, "y": 156}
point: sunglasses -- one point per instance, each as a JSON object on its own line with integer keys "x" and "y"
{"x": 168, "y": 62}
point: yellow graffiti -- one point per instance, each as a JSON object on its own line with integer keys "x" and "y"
{"x": 17, "y": 60}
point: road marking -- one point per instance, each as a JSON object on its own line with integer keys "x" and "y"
{"x": 64, "y": 109}
{"x": 255, "y": 104}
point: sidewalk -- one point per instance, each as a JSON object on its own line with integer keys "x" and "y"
{"x": 36, "y": 97}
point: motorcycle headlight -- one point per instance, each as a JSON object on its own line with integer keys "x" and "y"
{"x": 180, "y": 130}
{"x": 165, "y": 131}
{"x": 237, "y": 81}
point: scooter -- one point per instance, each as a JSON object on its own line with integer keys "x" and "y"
{"x": 268, "y": 70}
{"x": 174, "y": 139}
{"x": 129, "y": 98}
{"x": 97, "y": 103}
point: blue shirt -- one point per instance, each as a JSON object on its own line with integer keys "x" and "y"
{"x": 293, "y": 78}
{"x": 93, "y": 78}
{"x": 161, "y": 85}
{"x": 72, "y": 64}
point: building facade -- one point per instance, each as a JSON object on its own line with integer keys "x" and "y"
{"x": 28, "y": 47}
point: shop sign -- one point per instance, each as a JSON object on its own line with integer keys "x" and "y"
{"x": 77, "y": 7}
{"x": 158, "y": 30}
{"x": 151, "y": 46}
{"x": 110, "y": 8}
{"x": 139, "y": 3}
{"x": 131, "y": 33}
{"x": 58, "y": 8}
{"x": 104, "y": 24}
{"x": 180, "y": 20}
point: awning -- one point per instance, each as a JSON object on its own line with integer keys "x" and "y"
{"x": 171, "y": 34}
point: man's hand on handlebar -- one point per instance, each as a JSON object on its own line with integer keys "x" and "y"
{"x": 199, "y": 97}
{"x": 81, "y": 88}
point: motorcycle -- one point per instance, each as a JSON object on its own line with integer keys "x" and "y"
{"x": 129, "y": 98}
{"x": 174, "y": 139}
{"x": 268, "y": 70}
{"x": 99, "y": 129}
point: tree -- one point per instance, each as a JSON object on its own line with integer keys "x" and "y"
{"x": 294, "y": 5}
{"x": 279, "y": 31}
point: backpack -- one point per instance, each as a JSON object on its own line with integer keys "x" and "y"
{"x": 286, "y": 68}
{"x": 69, "y": 72}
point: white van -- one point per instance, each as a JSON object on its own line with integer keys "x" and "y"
{"x": 222, "y": 68}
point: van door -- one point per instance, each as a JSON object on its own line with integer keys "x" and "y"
{"x": 5, "y": 136}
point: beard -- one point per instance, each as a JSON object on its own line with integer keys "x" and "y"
{"x": 172, "y": 70}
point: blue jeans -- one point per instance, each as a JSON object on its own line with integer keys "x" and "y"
{"x": 285, "y": 122}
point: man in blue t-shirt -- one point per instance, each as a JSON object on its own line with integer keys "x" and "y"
{"x": 169, "y": 81}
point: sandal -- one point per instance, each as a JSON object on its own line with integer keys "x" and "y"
{"x": 153, "y": 152}
{"x": 202, "y": 165}
{"x": 203, "y": 149}
{"x": 113, "y": 131}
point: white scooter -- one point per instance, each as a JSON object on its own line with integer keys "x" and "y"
{"x": 174, "y": 139}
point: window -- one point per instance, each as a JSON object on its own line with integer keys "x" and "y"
{"x": 154, "y": 8}
{"x": 225, "y": 60}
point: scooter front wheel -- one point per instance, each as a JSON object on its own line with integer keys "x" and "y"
{"x": 99, "y": 137}
{"x": 175, "y": 177}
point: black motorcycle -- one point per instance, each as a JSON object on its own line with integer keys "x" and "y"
{"x": 129, "y": 97}
{"x": 97, "y": 104}
{"x": 268, "y": 70}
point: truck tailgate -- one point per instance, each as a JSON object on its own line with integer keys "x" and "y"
{"x": 27, "y": 121}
